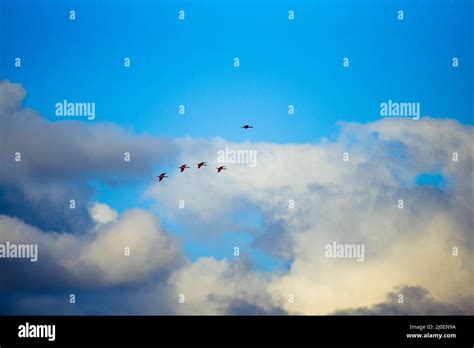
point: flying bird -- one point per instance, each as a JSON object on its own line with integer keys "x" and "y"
{"x": 183, "y": 167}
{"x": 247, "y": 126}
{"x": 221, "y": 168}
{"x": 201, "y": 164}
{"x": 161, "y": 176}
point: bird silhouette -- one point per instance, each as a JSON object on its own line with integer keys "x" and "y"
{"x": 201, "y": 164}
{"x": 161, "y": 176}
{"x": 183, "y": 167}
{"x": 219, "y": 169}
{"x": 247, "y": 126}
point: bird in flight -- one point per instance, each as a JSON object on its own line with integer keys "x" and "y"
{"x": 183, "y": 167}
{"x": 201, "y": 164}
{"x": 247, "y": 126}
{"x": 161, "y": 176}
{"x": 219, "y": 169}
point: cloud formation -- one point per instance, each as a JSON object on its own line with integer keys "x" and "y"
{"x": 222, "y": 287}
{"x": 132, "y": 249}
{"x": 102, "y": 213}
{"x": 59, "y": 159}
{"x": 307, "y": 196}
{"x": 418, "y": 302}
{"x": 354, "y": 201}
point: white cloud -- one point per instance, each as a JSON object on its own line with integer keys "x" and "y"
{"x": 347, "y": 202}
{"x": 102, "y": 213}
{"x": 210, "y": 286}
{"x": 152, "y": 250}
{"x": 95, "y": 258}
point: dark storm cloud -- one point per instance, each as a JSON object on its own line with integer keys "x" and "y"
{"x": 416, "y": 301}
{"x": 107, "y": 301}
{"x": 242, "y": 307}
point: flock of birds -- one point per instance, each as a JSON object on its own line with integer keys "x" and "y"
{"x": 200, "y": 164}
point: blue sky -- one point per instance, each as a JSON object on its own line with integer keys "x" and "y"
{"x": 282, "y": 62}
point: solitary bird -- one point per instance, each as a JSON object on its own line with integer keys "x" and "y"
{"x": 221, "y": 168}
{"x": 161, "y": 176}
{"x": 201, "y": 164}
{"x": 183, "y": 167}
{"x": 247, "y": 126}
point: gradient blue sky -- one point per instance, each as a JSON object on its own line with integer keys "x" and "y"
{"x": 282, "y": 62}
